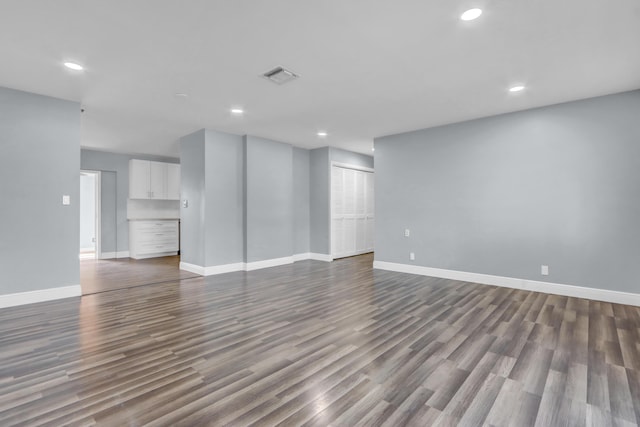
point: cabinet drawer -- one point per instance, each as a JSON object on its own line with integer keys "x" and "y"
{"x": 151, "y": 248}
{"x": 149, "y": 237}
{"x": 155, "y": 225}
{"x": 156, "y": 234}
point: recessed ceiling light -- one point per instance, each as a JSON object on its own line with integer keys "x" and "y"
{"x": 322, "y": 134}
{"x": 74, "y": 66}
{"x": 373, "y": 148}
{"x": 237, "y": 111}
{"x": 471, "y": 14}
{"x": 517, "y": 88}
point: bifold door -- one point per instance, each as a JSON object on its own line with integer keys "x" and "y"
{"x": 352, "y": 216}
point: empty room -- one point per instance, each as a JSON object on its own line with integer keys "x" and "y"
{"x": 332, "y": 213}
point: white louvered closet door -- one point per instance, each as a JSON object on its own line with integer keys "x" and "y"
{"x": 352, "y": 218}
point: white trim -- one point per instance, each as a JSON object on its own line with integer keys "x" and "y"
{"x": 320, "y": 257}
{"x": 225, "y": 268}
{"x": 301, "y": 257}
{"x": 21, "y": 298}
{"x": 212, "y": 270}
{"x": 112, "y": 255}
{"x": 257, "y": 265}
{"x": 350, "y": 166}
{"x": 155, "y": 255}
{"x": 511, "y": 282}
{"x": 313, "y": 256}
{"x": 250, "y": 266}
{"x": 192, "y": 268}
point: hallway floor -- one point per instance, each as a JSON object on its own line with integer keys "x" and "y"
{"x": 101, "y": 275}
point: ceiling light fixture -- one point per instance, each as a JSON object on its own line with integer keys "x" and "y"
{"x": 518, "y": 88}
{"x": 471, "y": 14}
{"x": 237, "y": 111}
{"x": 322, "y": 134}
{"x": 373, "y": 148}
{"x": 73, "y": 66}
{"x": 180, "y": 95}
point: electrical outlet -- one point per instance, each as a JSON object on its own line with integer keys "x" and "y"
{"x": 66, "y": 200}
{"x": 185, "y": 203}
{"x": 412, "y": 256}
{"x": 406, "y": 232}
{"x": 544, "y": 270}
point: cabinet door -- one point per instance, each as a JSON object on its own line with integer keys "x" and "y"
{"x": 158, "y": 180}
{"x": 139, "y": 179}
{"x": 173, "y": 181}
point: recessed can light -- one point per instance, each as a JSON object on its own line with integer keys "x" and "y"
{"x": 373, "y": 148}
{"x": 518, "y": 88}
{"x": 322, "y": 134}
{"x": 471, "y": 14}
{"x": 73, "y": 66}
{"x": 237, "y": 111}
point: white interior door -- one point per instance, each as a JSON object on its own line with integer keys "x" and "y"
{"x": 89, "y": 214}
{"x": 352, "y": 215}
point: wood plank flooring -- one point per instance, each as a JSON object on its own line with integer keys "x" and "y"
{"x": 320, "y": 344}
{"x": 108, "y": 274}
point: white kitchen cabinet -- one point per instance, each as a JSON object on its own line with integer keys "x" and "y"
{"x": 154, "y": 180}
{"x": 157, "y": 180}
{"x": 139, "y": 171}
{"x": 173, "y": 181}
{"x": 153, "y": 238}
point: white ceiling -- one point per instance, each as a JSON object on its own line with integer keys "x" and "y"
{"x": 369, "y": 67}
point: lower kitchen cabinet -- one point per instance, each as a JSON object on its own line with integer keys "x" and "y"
{"x": 153, "y": 238}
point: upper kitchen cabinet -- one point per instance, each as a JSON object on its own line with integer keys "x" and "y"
{"x": 173, "y": 181}
{"x": 154, "y": 180}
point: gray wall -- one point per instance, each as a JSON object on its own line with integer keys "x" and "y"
{"x": 224, "y": 237}
{"x": 39, "y": 163}
{"x": 268, "y": 199}
{"x": 192, "y": 178}
{"x": 253, "y": 199}
{"x": 301, "y": 201}
{"x": 558, "y": 186}
{"x": 320, "y": 168}
{"x": 117, "y": 164}
{"x": 319, "y": 195}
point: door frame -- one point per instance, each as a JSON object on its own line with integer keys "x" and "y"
{"x": 98, "y": 215}
{"x": 344, "y": 166}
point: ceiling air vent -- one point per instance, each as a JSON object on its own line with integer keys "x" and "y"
{"x": 280, "y": 75}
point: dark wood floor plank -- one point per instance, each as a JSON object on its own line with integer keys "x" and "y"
{"x": 316, "y": 343}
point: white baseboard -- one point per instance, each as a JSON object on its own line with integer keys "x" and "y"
{"x": 225, "y": 268}
{"x": 257, "y": 265}
{"x": 511, "y": 282}
{"x": 112, "y": 255}
{"x": 250, "y": 266}
{"x": 301, "y": 257}
{"x": 210, "y": 271}
{"x": 154, "y": 255}
{"x": 320, "y": 257}
{"x": 41, "y": 295}
{"x": 192, "y": 268}
{"x": 312, "y": 256}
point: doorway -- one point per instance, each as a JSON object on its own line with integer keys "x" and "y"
{"x": 352, "y": 210}
{"x": 89, "y": 214}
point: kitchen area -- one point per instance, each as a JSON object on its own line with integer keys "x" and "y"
{"x": 138, "y": 222}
